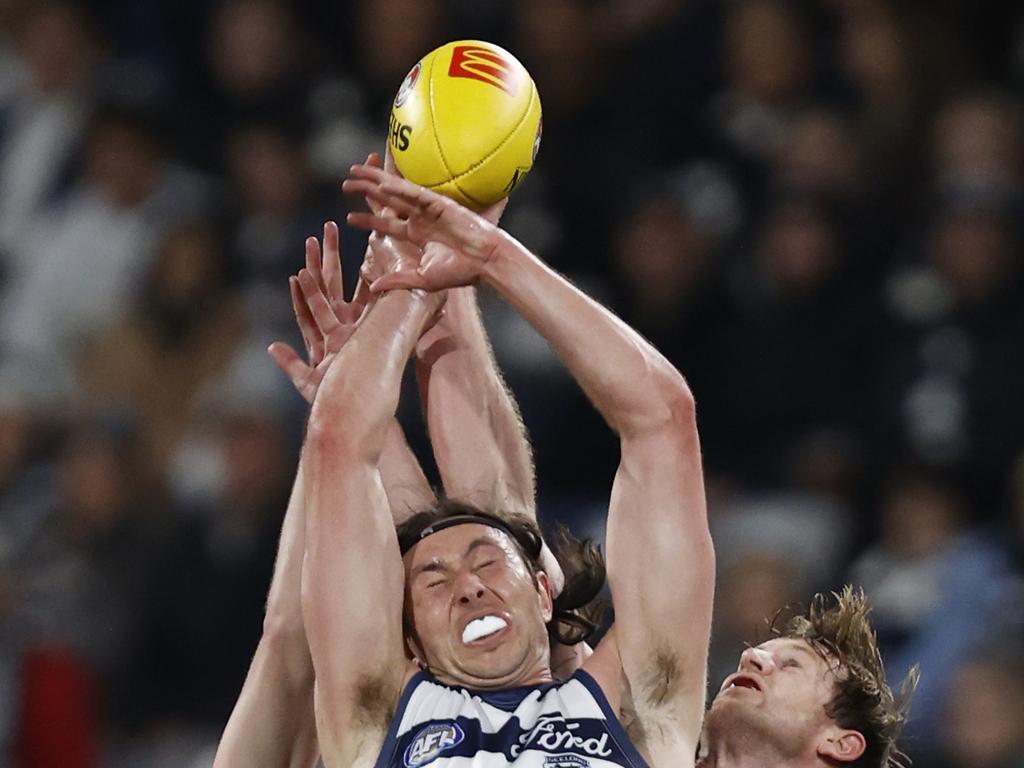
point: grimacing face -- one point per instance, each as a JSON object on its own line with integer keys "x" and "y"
{"x": 478, "y": 618}
{"x": 777, "y": 697}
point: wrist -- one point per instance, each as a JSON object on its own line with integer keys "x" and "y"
{"x": 506, "y": 256}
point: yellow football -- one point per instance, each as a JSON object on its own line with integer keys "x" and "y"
{"x": 466, "y": 122}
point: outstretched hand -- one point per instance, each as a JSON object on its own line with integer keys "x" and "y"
{"x": 422, "y": 217}
{"x": 325, "y": 319}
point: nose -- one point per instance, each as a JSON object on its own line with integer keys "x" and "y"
{"x": 468, "y": 588}
{"x": 758, "y": 660}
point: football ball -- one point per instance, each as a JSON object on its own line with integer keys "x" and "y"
{"x": 466, "y": 122}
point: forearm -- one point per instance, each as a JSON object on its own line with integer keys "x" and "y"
{"x": 477, "y": 435}
{"x": 357, "y": 399}
{"x": 630, "y": 383}
{"x": 407, "y": 488}
{"x": 352, "y": 566}
{"x": 272, "y": 721}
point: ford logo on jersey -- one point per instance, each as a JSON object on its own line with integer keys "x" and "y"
{"x": 430, "y": 742}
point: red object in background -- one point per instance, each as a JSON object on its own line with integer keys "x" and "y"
{"x": 57, "y": 726}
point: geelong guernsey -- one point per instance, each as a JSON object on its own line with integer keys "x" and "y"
{"x": 555, "y": 725}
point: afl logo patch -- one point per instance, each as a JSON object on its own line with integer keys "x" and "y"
{"x": 430, "y": 742}
{"x": 408, "y": 84}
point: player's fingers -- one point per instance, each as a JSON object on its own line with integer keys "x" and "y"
{"x": 493, "y": 212}
{"x": 405, "y": 279}
{"x": 290, "y": 363}
{"x": 361, "y": 296}
{"x": 333, "y": 279}
{"x": 307, "y": 326}
{"x": 378, "y": 197}
{"x": 323, "y": 315}
{"x": 313, "y": 261}
{"x": 384, "y": 226}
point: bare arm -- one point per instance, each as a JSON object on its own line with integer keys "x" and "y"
{"x": 476, "y": 433}
{"x": 353, "y": 578}
{"x": 661, "y": 562}
{"x": 272, "y": 723}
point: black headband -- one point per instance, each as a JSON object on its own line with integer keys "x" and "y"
{"x": 412, "y": 538}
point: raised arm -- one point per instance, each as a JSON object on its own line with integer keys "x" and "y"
{"x": 352, "y": 580}
{"x": 272, "y": 723}
{"x": 660, "y": 558}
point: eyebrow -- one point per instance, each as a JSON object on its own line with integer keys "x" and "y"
{"x": 439, "y": 566}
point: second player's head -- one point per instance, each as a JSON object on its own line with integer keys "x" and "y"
{"x": 814, "y": 695}
{"x": 477, "y": 603}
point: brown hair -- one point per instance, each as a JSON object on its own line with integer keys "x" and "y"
{"x": 577, "y": 609}
{"x": 839, "y": 630}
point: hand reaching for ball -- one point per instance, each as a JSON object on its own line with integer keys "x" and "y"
{"x": 325, "y": 319}
{"x": 422, "y": 217}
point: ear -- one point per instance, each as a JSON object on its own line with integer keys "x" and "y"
{"x": 547, "y": 602}
{"x": 841, "y": 745}
{"x": 414, "y": 651}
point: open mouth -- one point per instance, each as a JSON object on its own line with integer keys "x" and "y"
{"x": 482, "y": 627}
{"x": 744, "y": 681}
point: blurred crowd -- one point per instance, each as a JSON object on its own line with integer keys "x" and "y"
{"x": 812, "y": 208}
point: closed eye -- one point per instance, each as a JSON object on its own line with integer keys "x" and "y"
{"x": 790, "y": 663}
{"x": 485, "y": 564}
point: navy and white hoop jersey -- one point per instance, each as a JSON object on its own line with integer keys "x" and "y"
{"x": 555, "y": 725}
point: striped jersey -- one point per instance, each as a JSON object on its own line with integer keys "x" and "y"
{"x": 554, "y": 725}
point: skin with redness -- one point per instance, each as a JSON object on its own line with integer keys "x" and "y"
{"x": 468, "y": 572}
{"x": 772, "y": 710}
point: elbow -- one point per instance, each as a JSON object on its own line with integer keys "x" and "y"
{"x": 669, "y": 405}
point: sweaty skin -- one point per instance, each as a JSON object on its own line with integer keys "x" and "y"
{"x": 661, "y": 563}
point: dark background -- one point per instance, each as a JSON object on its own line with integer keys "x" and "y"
{"x": 813, "y": 208}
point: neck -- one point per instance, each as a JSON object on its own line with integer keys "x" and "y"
{"x": 532, "y": 671}
{"x": 725, "y": 751}
{"x": 503, "y": 683}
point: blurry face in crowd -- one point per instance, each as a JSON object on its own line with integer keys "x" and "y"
{"x": 93, "y": 483}
{"x": 818, "y": 154}
{"x": 753, "y": 582}
{"x": 776, "y": 700}
{"x": 662, "y": 256}
{"x": 253, "y": 46}
{"x": 918, "y": 519}
{"x": 975, "y": 252}
{"x": 798, "y": 250}
{"x": 976, "y": 137}
{"x": 122, "y": 162}
{"x": 394, "y": 35}
{"x": 56, "y": 46}
{"x": 766, "y": 50}
{"x": 875, "y": 51}
{"x": 189, "y": 267}
{"x": 984, "y": 727}
{"x": 269, "y": 170}
{"x": 478, "y": 616}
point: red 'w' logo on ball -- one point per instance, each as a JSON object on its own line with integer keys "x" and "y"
{"x": 484, "y": 64}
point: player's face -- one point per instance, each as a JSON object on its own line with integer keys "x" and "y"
{"x": 477, "y": 614}
{"x": 778, "y": 695}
